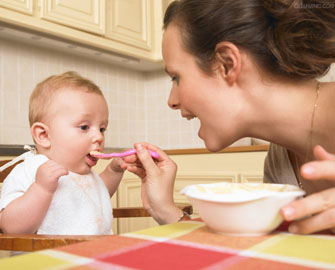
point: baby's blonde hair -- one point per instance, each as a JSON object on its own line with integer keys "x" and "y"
{"x": 41, "y": 97}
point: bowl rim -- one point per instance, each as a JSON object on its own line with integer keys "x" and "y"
{"x": 248, "y": 196}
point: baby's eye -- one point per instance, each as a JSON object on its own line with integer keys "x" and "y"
{"x": 84, "y": 127}
{"x": 102, "y": 130}
{"x": 175, "y": 78}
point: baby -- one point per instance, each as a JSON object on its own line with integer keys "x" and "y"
{"x": 55, "y": 191}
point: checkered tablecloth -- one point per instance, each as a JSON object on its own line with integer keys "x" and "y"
{"x": 185, "y": 245}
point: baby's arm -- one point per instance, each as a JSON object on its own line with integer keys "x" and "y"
{"x": 113, "y": 174}
{"x": 26, "y": 213}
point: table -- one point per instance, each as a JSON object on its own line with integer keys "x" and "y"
{"x": 185, "y": 245}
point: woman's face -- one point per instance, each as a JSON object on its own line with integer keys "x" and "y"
{"x": 196, "y": 94}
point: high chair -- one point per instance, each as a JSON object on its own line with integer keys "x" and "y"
{"x": 33, "y": 242}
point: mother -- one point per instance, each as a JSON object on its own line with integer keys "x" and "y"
{"x": 249, "y": 68}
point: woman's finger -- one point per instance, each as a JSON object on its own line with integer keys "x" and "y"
{"x": 319, "y": 170}
{"x": 130, "y": 159}
{"x": 146, "y": 159}
{"x": 321, "y": 154}
{"x": 316, "y": 223}
{"x": 162, "y": 154}
{"x": 140, "y": 172}
{"x": 312, "y": 204}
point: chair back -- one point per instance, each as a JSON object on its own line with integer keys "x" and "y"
{"x": 5, "y": 172}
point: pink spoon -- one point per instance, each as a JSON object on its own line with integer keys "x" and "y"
{"x": 97, "y": 154}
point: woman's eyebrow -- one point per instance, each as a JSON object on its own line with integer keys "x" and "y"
{"x": 166, "y": 70}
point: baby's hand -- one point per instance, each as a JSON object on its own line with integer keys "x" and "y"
{"x": 117, "y": 165}
{"x": 47, "y": 175}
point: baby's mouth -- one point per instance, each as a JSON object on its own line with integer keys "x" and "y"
{"x": 91, "y": 157}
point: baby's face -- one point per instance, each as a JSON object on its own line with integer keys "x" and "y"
{"x": 77, "y": 121}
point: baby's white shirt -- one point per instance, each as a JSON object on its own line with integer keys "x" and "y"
{"x": 81, "y": 204}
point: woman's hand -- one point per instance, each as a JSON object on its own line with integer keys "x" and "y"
{"x": 158, "y": 176}
{"x": 318, "y": 209}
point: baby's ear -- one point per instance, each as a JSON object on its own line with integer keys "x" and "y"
{"x": 40, "y": 133}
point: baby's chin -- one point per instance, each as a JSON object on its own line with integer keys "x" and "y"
{"x": 81, "y": 170}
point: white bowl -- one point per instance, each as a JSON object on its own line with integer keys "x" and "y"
{"x": 241, "y": 208}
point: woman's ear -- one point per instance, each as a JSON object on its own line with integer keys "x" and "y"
{"x": 228, "y": 59}
{"x": 40, "y": 133}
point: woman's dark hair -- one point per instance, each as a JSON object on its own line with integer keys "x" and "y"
{"x": 288, "y": 38}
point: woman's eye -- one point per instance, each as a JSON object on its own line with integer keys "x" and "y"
{"x": 84, "y": 127}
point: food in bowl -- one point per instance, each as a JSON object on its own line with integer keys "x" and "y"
{"x": 241, "y": 208}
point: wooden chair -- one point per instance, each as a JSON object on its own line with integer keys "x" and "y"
{"x": 33, "y": 242}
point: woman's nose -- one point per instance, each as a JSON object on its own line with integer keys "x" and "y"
{"x": 173, "y": 100}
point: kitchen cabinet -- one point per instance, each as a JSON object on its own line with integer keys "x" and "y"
{"x": 24, "y": 6}
{"x": 130, "y": 22}
{"x": 86, "y": 15}
{"x": 129, "y": 194}
{"x": 125, "y": 27}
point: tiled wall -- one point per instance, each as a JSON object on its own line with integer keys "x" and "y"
{"x": 137, "y": 101}
{"x": 166, "y": 126}
{"x": 330, "y": 77}
{"x": 22, "y": 66}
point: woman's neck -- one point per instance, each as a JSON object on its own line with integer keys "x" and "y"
{"x": 284, "y": 115}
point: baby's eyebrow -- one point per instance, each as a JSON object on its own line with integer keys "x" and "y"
{"x": 166, "y": 70}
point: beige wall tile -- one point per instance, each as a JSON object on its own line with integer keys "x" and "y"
{"x": 330, "y": 76}
{"x": 137, "y": 101}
